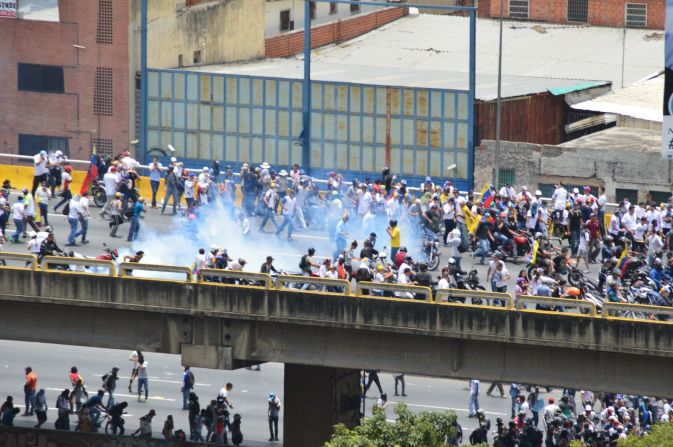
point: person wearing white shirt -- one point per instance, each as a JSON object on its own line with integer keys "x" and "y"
{"x": 111, "y": 181}
{"x": 155, "y": 178}
{"x": 404, "y": 279}
{"x": 42, "y": 194}
{"x": 18, "y": 210}
{"x": 364, "y": 202}
{"x": 29, "y": 211}
{"x": 559, "y": 197}
{"x": 443, "y": 282}
{"x": 613, "y": 230}
{"x": 73, "y": 219}
{"x": 84, "y": 216}
{"x": 639, "y": 233}
{"x": 40, "y": 170}
{"x": 629, "y": 219}
{"x": 34, "y": 244}
{"x": 189, "y": 190}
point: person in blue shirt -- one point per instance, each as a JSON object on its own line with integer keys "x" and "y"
{"x": 657, "y": 274}
{"x": 9, "y": 415}
{"x": 95, "y": 406}
{"x": 187, "y": 386}
{"x": 138, "y": 209}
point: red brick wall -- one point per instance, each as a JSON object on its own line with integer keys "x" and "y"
{"x": 288, "y": 44}
{"x": 51, "y": 43}
{"x": 601, "y": 12}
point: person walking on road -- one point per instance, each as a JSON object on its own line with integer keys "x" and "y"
{"x": 143, "y": 379}
{"x": 63, "y": 409}
{"x": 493, "y": 386}
{"x": 138, "y": 210}
{"x": 40, "y": 406}
{"x": 399, "y": 379}
{"x": 116, "y": 214}
{"x": 134, "y": 358}
{"x": 274, "y": 411}
{"x": 373, "y": 376}
{"x": 29, "y": 388}
{"x": 473, "y": 404}
{"x": 187, "y": 386}
{"x": 109, "y": 385}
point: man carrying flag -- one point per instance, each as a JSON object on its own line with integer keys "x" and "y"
{"x": 92, "y": 173}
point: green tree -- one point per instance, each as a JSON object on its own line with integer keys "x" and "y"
{"x": 426, "y": 429}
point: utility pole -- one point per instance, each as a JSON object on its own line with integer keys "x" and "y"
{"x": 496, "y": 174}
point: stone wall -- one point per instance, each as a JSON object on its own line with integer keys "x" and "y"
{"x": 534, "y": 164}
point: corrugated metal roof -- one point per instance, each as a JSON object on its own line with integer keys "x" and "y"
{"x": 433, "y": 51}
{"x": 642, "y": 100}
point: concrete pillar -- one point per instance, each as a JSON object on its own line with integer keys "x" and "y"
{"x": 316, "y": 399}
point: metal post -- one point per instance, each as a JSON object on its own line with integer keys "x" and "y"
{"x": 143, "y": 79}
{"x": 623, "y": 53}
{"x": 496, "y": 174}
{"x": 306, "y": 96}
{"x": 471, "y": 96}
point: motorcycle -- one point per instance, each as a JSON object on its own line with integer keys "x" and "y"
{"x": 430, "y": 254}
{"x": 108, "y": 254}
{"x": 98, "y": 193}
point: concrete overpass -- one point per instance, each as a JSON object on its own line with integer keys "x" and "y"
{"x": 325, "y": 339}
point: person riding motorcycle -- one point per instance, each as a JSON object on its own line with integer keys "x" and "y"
{"x": 543, "y": 258}
{"x": 368, "y": 251}
{"x": 423, "y": 277}
{"x": 504, "y": 234}
{"x": 49, "y": 247}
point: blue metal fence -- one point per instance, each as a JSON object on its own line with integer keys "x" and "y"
{"x": 236, "y": 119}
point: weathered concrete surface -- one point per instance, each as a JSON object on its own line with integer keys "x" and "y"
{"x": 224, "y": 326}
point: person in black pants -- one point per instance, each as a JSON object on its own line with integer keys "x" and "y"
{"x": 373, "y": 377}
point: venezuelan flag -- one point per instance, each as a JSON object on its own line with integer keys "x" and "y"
{"x": 486, "y": 196}
{"x": 623, "y": 259}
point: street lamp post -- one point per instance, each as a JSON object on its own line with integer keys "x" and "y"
{"x": 496, "y": 173}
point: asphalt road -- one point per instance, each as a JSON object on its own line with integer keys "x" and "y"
{"x": 170, "y": 239}
{"x": 52, "y": 365}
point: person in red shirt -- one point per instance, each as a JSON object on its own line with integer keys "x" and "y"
{"x": 29, "y": 391}
{"x": 594, "y": 228}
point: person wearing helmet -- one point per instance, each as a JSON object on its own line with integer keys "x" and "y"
{"x": 394, "y": 233}
{"x": 658, "y": 274}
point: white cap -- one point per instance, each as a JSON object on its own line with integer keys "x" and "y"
{"x": 173, "y": 159}
{"x": 588, "y": 408}
{"x": 538, "y": 192}
{"x": 576, "y": 191}
{"x": 205, "y": 169}
{"x": 59, "y": 153}
{"x": 524, "y": 188}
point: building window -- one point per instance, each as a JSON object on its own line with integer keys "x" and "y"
{"x": 660, "y": 196}
{"x": 41, "y": 78}
{"x": 197, "y": 56}
{"x": 102, "y": 92}
{"x": 311, "y": 6}
{"x": 518, "y": 9}
{"x": 103, "y": 146}
{"x": 333, "y": 8}
{"x": 636, "y": 15}
{"x": 629, "y": 194}
{"x": 578, "y": 10}
{"x": 104, "y": 28}
{"x": 32, "y": 144}
{"x": 355, "y": 8}
{"x": 506, "y": 177}
{"x": 285, "y": 22}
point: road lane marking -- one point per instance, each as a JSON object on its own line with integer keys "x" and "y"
{"x": 166, "y": 381}
{"x": 441, "y": 408}
{"x": 128, "y": 395}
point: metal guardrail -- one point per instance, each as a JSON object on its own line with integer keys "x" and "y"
{"x": 21, "y": 257}
{"x": 474, "y": 295}
{"x": 283, "y": 280}
{"x": 49, "y": 261}
{"x": 618, "y": 311}
{"x": 556, "y": 302}
{"x": 127, "y": 268}
{"x": 237, "y": 275}
{"x": 390, "y": 287}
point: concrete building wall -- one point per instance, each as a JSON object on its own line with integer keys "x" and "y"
{"x": 323, "y": 14}
{"x": 288, "y": 44}
{"x": 70, "y": 114}
{"x": 535, "y": 164}
{"x": 219, "y": 30}
{"x": 600, "y": 12}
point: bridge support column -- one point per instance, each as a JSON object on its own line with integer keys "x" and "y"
{"x": 317, "y": 398}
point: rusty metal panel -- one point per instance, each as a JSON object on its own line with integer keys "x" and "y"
{"x": 257, "y": 121}
{"x": 421, "y": 133}
{"x": 342, "y": 157}
{"x": 270, "y": 153}
{"x": 355, "y": 157}
{"x": 166, "y": 115}
{"x": 395, "y": 131}
{"x": 179, "y": 80}
{"x": 395, "y": 101}
{"x": 284, "y": 152}
{"x": 257, "y": 92}
{"x": 369, "y": 93}
{"x": 296, "y": 95}
{"x": 422, "y": 100}
{"x": 205, "y": 152}
{"x": 436, "y": 135}
{"x": 271, "y": 86}
{"x": 408, "y": 102}
{"x": 218, "y": 118}
{"x": 218, "y": 89}
{"x": 153, "y": 113}
{"x": 192, "y": 86}
{"x": 270, "y": 123}
{"x": 421, "y": 161}
{"x": 316, "y": 155}
{"x": 284, "y": 94}
{"x": 205, "y": 88}
{"x": 153, "y": 84}
{"x": 368, "y": 129}
{"x": 342, "y": 127}
{"x": 436, "y": 165}
{"x": 408, "y": 161}
{"x": 316, "y": 96}
{"x": 436, "y": 104}
{"x": 328, "y": 100}
{"x": 257, "y": 150}
{"x": 204, "y": 117}
{"x": 356, "y": 99}
{"x": 230, "y": 148}
{"x": 232, "y": 90}
{"x": 342, "y": 98}
{"x": 449, "y": 105}
{"x": 368, "y": 159}
{"x": 179, "y": 114}
{"x": 283, "y": 123}
{"x": 328, "y": 155}
{"x": 192, "y": 145}
{"x": 243, "y": 120}
{"x": 192, "y": 116}
{"x": 166, "y": 86}
{"x": 244, "y": 147}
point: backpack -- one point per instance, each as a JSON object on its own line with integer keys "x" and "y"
{"x": 462, "y": 248}
{"x": 302, "y": 262}
{"x": 190, "y": 379}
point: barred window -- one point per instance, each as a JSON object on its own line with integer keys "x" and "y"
{"x": 518, "y": 9}
{"x": 630, "y": 194}
{"x": 636, "y": 15}
{"x": 102, "y": 92}
{"x": 104, "y": 28}
{"x": 506, "y": 177}
{"x": 578, "y": 10}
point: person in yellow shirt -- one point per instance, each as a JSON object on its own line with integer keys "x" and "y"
{"x": 394, "y": 233}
